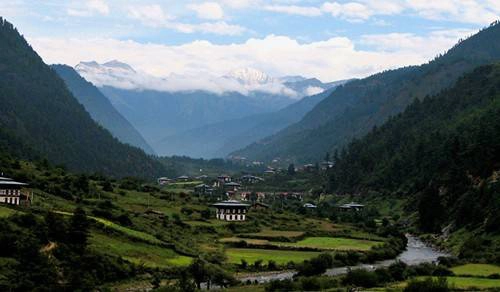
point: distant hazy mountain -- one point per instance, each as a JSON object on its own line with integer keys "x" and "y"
{"x": 40, "y": 118}
{"x": 220, "y": 139}
{"x": 100, "y": 109}
{"x": 164, "y": 107}
{"x": 352, "y": 110}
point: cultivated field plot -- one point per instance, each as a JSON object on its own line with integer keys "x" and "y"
{"x": 467, "y": 283}
{"x": 482, "y": 270}
{"x": 323, "y": 243}
{"x": 138, "y": 252}
{"x": 235, "y": 255}
{"x": 335, "y": 243}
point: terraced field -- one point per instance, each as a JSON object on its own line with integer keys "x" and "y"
{"x": 335, "y": 243}
{"x": 481, "y": 270}
{"x": 467, "y": 283}
{"x": 235, "y": 255}
{"x": 138, "y": 252}
{"x": 323, "y": 243}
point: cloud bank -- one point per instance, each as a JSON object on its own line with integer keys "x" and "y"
{"x": 333, "y": 59}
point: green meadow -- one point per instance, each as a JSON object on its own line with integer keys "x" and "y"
{"x": 480, "y": 270}
{"x": 335, "y": 243}
{"x": 138, "y": 252}
{"x": 235, "y": 255}
{"x": 323, "y": 243}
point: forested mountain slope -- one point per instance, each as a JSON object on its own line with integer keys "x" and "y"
{"x": 100, "y": 109}
{"x": 220, "y": 139}
{"x": 352, "y": 110}
{"x": 443, "y": 153}
{"x": 39, "y": 117}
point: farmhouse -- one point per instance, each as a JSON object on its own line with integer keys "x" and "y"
{"x": 182, "y": 178}
{"x": 164, "y": 181}
{"x": 231, "y": 187}
{"x": 224, "y": 178}
{"x": 203, "y": 189}
{"x": 351, "y": 207}
{"x": 10, "y": 192}
{"x": 231, "y": 210}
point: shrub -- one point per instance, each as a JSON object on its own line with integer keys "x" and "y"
{"x": 428, "y": 285}
{"x": 361, "y": 277}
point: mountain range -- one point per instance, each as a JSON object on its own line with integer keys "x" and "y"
{"x": 176, "y": 112}
{"x": 355, "y": 108}
{"x": 41, "y": 119}
{"x": 100, "y": 109}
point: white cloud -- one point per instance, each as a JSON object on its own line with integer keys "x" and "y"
{"x": 293, "y": 9}
{"x": 154, "y": 16}
{"x": 351, "y": 11}
{"x": 89, "y": 8}
{"x": 332, "y": 59}
{"x": 313, "y": 90}
{"x": 428, "y": 46}
{"x": 151, "y": 15}
{"x": 465, "y": 11}
{"x": 99, "y": 6}
{"x": 208, "y": 10}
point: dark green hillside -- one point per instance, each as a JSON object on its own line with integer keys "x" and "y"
{"x": 100, "y": 109}
{"x": 222, "y": 138}
{"x": 442, "y": 152}
{"x": 40, "y": 118}
{"x": 352, "y": 110}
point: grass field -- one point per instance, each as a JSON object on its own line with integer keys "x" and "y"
{"x": 6, "y": 212}
{"x": 127, "y": 231}
{"x": 335, "y": 243}
{"x": 324, "y": 243}
{"x": 467, "y": 283}
{"x": 138, "y": 252}
{"x": 235, "y": 255}
{"x": 483, "y": 270}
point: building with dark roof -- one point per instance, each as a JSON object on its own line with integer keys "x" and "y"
{"x": 231, "y": 210}
{"x": 203, "y": 189}
{"x": 10, "y": 191}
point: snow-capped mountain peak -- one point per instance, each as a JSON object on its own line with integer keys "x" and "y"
{"x": 118, "y": 65}
{"x": 249, "y": 76}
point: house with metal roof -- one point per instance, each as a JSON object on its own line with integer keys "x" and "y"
{"x": 10, "y": 191}
{"x": 231, "y": 210}
{"x": 351, "y": 207}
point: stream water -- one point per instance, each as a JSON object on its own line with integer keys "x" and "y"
{"x": 416, "y": 252}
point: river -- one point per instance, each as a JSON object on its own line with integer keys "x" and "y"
{"x": 416, "y": 252}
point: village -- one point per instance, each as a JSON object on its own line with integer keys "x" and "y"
{"x": 233, "y": 196}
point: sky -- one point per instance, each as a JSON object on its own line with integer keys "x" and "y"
{"x": 329, "y": 40}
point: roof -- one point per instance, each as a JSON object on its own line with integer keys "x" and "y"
{"x": 202, "y": 186}
{"x": 5, "y": 181}
{"x": 183, "y": 177}
{"x": 232, "y": 184}
{"x": 352, "y": 205}
{"x": 309, "y": 205}
{"x": 230, "y": 203}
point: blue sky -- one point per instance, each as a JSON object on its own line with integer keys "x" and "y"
{"x": 326, "y": 39}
